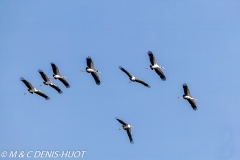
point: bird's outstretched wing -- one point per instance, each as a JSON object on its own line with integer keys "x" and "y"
{"x": 160, "y": 73}
{"x": 186, "y": 90}
{"x": 28, "y": 84}
{"x": 96, "y": 78}
{"x": 193, "y": 104}
{"x": 152, "y": 58}
{"x": 42, "y": 94}
{"x": 142, "y": 82}
{"x": 64, "y": 81}
{"x": 125, "y": 71}
{"x": 122, "y": 122}
{"x": 90, "y": 63}
{"x": 56, "y": 87}
{"x": 129, "y": 132}
{"x": 44, "y": 76}
{"x": 55, "y": 69}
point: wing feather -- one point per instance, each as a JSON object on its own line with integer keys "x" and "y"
{"x": 121, "y": 121}
{"x": 90, "y": 63}
{"x": 43, "y": 75}
{"x": 160, "y": 73}
{"x": 28, "y": 84}
{"x": 125, "y": 71}
{"x": 64, "y": 81}
{"x": 96, "y": 78}
{"x": 152, "y": 58}
{"x": 56, "y": 88}
{"x": 142, "y": 82}
{"x": 193, "y": 104}
{"x": 55, "y": 69}
{"x": 186, "y": 90}
{"x": 42, "y": 94}
{"x": 129, "y": 132}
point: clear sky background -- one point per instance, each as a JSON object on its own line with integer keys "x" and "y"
{"x": 198, "y": 42}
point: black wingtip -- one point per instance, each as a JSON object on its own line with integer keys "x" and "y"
{"x": 40, "y": 70}
{"x": 132, "y": 142}
{"x": 163, "y": 78}
{"x": 120, "y": 67}
{"x": 47, "y": 98}
{"x": 60, "y": 92}
{"x": 117, "y": 118}
{"x": 89, "y": 57}
{"x": 22, "y": 79}
{"x": 68, "y": 86}
{"x": 184, "y": 84}
{"x": 150, "y": 53}
{"x": 98, "y": 83}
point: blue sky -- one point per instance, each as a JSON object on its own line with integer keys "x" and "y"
{"x": 198, "y": 42}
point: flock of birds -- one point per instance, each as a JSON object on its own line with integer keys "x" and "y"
{"x": 90, "y": 69}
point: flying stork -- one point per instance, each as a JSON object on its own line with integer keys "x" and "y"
{"x": 57, "y": 75}
{"x": 187, "y": 96}
{"x": 127, "y": 127}
{"x": 32, "y": 90}
{"x": 48, "y": 82}
{"x": 134, "y": 79}
{"x": 155, "y": 66}
{"x": 90, "y": 69}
